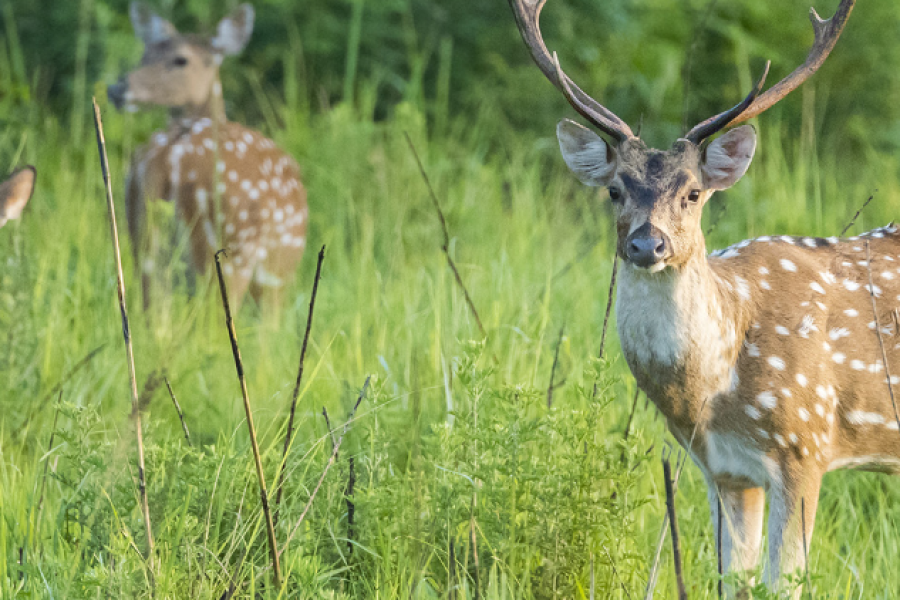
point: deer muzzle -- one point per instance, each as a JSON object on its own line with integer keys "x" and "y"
{"x": 118, "y": 93}
{"x": 647, "y": 247}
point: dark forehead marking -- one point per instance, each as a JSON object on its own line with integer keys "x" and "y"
{"x": 639, "y": 191}
{"x": 645, "y": 191}
{"x": 655, "y": 164}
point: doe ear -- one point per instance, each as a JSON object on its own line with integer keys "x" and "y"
{"x": 149, "y": 26}
{"x": 15, "y": 193}
{"x": 588, "y": 155}
{"x": 234, "y": 31}
{"x": 726, "y": 159}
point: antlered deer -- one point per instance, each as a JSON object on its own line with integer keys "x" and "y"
{"x": 15, "y": 193}
{"x": 765, "y": 357}
{"x": 230, "y": 185}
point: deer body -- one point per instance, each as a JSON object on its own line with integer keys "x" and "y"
{"x": 765, "y": 362}
{"x": 231, "y": 187}
{"x": 764, "y": 358}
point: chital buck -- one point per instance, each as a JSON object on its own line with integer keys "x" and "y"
{"x": 15, "y": 193}
{"x": 231, "y": 186}
{"x": 764, "y": 357}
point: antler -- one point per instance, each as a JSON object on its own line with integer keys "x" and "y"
{"x": 527, "y": 13}
{"x": 826, "y": 33}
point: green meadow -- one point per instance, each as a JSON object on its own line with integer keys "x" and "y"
{"x": 498, "y": 464}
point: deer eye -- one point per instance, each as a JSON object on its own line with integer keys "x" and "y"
{"x": 694, "y": 195}
{"x": 614, "y": 194}
{"x": 179, "y": 61}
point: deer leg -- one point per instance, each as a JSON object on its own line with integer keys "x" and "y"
{"x": 739, "y": 538}
{"x": 792, "y": 514}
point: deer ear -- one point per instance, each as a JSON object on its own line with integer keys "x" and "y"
{"x": 15, "y": 193}
{"x": 234, "y": 31}
{"x": 149, "y": 26}
{"x": 726, "y": 159}
{"x": 588, "y": 155}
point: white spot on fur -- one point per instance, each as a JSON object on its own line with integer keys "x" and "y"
{"x": 767, "y": 400}
{"x": 776, "y": 362}
{"x": 801, "y": 379}
{"x": 788, "y": 265}
{"x": 859, "y": 417}
{"x": 838, "y": 333}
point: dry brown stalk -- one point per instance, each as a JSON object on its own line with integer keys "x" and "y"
{"x": 337, "y": 446}
{"x": 184, "y": 427}
{"x": 296, "y": 393}
{"x": 445, "y": 245}
{"x": 239, "y": 365}
{"x": 126, "y": 332}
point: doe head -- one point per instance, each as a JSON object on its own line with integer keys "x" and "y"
{"x": 658, "y": 195}
{"x": 179, "y": 70}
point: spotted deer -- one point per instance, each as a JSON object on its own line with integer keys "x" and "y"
{"x": 230, "y": 186}
{"x": 765, "y": 358}
{"x": 15, "y": 193}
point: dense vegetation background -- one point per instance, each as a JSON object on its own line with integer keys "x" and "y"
{"x": 466, "y": 483}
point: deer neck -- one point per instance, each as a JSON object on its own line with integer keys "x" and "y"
{"x": 681, "y": 331}
{"x": 213, "y": 108}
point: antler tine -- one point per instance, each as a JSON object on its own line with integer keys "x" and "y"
{"x": 527, "y": 14}
{"x": 826, "y": 33}
{"x": 713, "y": 124}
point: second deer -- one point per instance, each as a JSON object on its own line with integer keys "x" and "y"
{"x": 771, "y": 360}
{"x": 231, "y": 186}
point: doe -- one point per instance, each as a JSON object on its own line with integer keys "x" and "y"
{"x": 231, "y": 186}
{"x": 765, "y": 358}
{"x": 15, "y": 193}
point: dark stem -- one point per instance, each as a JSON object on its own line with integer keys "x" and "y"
{"x": 296, "y": 393}
{"x": 239, "y": 366}
{"x": 334, "y": 452}
{"x": 609, "y": 303}
{"x": 184, "y": 427}
{"x": 887, "y": 367}
{"x": 853, "y": 220}
{"x": 673, "y": 524}
{"x": 445, "y": 245}
{"x": 59, "y": 385}
{"x": 805, "y": 549}
{"x": 550, "y": 386}
{"x": 719, "y": 565}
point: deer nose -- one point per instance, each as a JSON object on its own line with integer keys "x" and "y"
{"x": 116, "y": 92}
{"x": 646, "y": 246}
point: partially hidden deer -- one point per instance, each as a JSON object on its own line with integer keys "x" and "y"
{"x": 231, "y": 187}
{"x": 765, "y": 357}
{"x": 15, "y": 193}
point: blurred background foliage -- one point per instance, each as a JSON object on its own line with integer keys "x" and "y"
{"x": 667, "y": 63}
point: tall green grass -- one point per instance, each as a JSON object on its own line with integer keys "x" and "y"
{"x": 454, "y": 443}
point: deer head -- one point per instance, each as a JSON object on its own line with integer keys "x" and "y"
{"x": 659, "y": 195}
{"x": 180, "y": 71}
{"x": 15, "y": 193}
